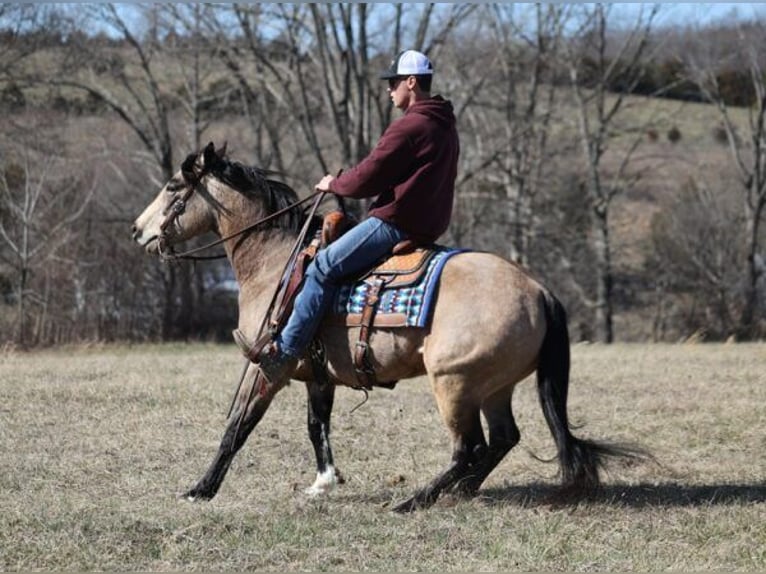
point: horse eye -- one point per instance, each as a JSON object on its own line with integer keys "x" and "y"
{"x": 174, "y": 185}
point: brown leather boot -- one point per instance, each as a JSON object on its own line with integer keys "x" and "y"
{"x": 275, "y": 365}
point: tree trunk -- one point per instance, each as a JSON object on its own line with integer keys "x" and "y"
{"x": 20, "y": 309}
{"x": 604, "y": 278}
{"x": 751, "y": 309}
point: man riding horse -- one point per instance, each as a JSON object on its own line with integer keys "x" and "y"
{"x": 412, "y": 171}
{"x": 490, "y": 327}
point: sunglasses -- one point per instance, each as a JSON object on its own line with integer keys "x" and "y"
{"x": 393, "y": 82}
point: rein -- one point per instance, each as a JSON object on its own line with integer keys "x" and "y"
{"x": 179, "y": 205}
{"x": 279, "y": 293}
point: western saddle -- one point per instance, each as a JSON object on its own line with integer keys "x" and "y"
{"x": 406, "y": 266}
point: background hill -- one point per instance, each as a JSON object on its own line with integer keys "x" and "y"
{"x": 621, "y": 159}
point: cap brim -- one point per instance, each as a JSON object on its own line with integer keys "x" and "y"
{"x": 389, "y": 75}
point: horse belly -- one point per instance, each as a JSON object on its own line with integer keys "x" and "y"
{"x": 395, "y": 353}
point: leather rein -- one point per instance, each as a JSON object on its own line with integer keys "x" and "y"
{"x": 178, "y": 206}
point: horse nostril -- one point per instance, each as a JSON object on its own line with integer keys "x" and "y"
{"x": 134, "y": 231}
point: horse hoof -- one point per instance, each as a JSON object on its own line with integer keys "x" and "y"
{"x": 194, "y": 495}
{"x": 313, "y": 492}
{"x": 189, "y": 496}
{"x": 409, "y": 505}
{"x": 419, "y": 501}
{"x": 324, "y": 483}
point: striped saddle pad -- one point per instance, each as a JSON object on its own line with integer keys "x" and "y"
{"x": 407, "y": 293}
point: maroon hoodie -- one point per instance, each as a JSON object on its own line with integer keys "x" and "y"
{"x": 412, "y": 170}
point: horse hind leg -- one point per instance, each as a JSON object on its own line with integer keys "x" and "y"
{"x": 503, "y": 436}
{"x": 468, "y": 447}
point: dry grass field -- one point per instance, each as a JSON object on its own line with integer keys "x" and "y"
{"x": 96, "y": 443}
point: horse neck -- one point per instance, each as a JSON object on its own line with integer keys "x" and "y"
{"x": 258, "y": 261}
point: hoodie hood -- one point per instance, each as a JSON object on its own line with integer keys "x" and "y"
{"x": 436, "y": 108}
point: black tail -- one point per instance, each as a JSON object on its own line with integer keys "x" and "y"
{"x": 580, "y": 459}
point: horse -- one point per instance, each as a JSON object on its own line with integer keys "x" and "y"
{"x": 476, "y": 349}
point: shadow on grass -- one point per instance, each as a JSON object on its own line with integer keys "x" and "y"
{"x": 636, "y": 496}
{"x": 667, "y": 495}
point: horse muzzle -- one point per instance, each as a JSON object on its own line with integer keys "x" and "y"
{"x": 148, "y": 242}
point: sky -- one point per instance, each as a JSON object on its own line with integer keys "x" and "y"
{"x": 697, "y": 12}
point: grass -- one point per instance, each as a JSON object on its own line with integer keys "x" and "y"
{"x": 95, "y": 444}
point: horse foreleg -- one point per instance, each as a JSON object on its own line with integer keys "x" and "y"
{"x": 250, "y": 405}
{"x": 321, "y": 398}
{"x": 469, "y": 447}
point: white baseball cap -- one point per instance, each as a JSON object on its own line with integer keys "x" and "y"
{"x": 409, "y": 63}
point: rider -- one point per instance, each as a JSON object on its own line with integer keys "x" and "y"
{"x": 412, "y": 172}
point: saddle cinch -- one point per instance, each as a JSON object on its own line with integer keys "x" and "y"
{"x": 406, "y": 266}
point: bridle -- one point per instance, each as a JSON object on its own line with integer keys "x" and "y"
{"x": 178, "y": 204}
{"x": 173, "y": 211}
{"x": 191, "y": 181}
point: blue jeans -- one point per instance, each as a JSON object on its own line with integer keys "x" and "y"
{"x": 354, "y": 252}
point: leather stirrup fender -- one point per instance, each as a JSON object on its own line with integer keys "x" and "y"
{"x": 334, "y": 224}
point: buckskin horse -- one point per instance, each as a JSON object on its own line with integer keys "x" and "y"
{"x": 474, "y": 351}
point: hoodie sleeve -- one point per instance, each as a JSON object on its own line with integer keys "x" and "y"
{"x": 382, "y": 169}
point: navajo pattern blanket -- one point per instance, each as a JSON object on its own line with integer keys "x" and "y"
{"x": 407, "y": 306}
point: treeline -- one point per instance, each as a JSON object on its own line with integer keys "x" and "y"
{"x": 582, "y": 157}
{"x": 664, "y": 76}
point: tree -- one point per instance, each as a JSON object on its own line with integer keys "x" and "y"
{"x": 131, "y": 80}
{"x": 38, "y": 209}
{"x": 313, "y": 78}
{"x": 512, "y": 100}
{"x": 693, "y": 261}
{"x": 748, "y": 156}
{"x": 24, "y": 28}
{"x": 193, "y": 59}
{"x": 592, "y": 72}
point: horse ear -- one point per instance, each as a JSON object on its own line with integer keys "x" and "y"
{"x": 221, "y": 151}
{"x": 209, "y": 155}
{"x": 187, "y": 167}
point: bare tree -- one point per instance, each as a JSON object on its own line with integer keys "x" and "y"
{"x": 748, "y": 155}
{"x": 253, "y": 42}
{"x": 18, "y": 44}
{"x": 694, "y": 262}
{"x": 313, "y": 79}
{"x": 511, "y": 102}
{"x": 129, "y": 77}
{"x": 193, "y": 60}
{"x": 597, "y": 108}
{"x": 38, "y": 208}
{"x": 131, "y": 88}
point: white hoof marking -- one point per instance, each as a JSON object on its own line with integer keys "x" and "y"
{"x": 324, "y": 483}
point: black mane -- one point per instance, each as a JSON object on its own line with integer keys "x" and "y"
{"x": 254, "y": 182}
